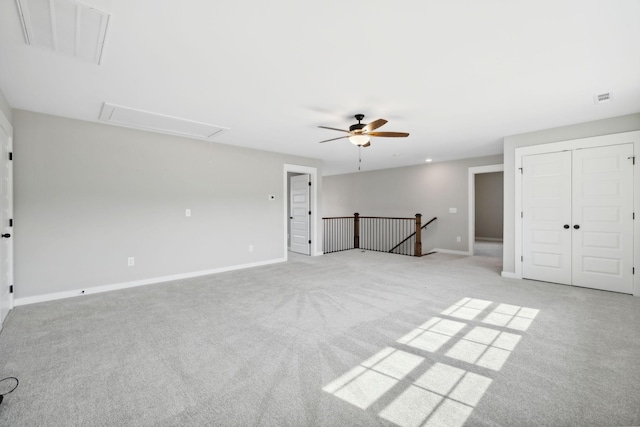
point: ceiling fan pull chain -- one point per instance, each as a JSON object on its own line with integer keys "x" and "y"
{"x": 359, "y": 156}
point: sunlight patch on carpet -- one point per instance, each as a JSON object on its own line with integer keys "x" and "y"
{"x": 443, "y": 394}
{"x": 372, "y": 378}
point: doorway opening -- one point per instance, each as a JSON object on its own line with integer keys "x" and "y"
{"x": 486, "y": 210}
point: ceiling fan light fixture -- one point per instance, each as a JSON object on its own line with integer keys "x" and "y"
{"x": 359, "y": 140}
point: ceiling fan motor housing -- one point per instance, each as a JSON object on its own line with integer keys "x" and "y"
{"x": 357, "y": 127}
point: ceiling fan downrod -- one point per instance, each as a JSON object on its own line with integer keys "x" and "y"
{"x": 357, "y": 128}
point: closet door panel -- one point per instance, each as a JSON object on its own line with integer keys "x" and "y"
{"x": 602, "y": 198}
{"x": 546, "y": 206}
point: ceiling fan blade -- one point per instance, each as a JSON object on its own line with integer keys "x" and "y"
{"x": 389, "y": 134}
{"x": 333, "y": 139}
{"x": 374, "y": 125}
{"x": 327, "y": 127}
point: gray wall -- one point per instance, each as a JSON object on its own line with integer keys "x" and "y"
{"x": 608, "y": 126}
{"x": 489, "y": 205}
{"x": 5, "y": 107}
{"x": 89, "y": 195}
{"x": 429, "y": 189}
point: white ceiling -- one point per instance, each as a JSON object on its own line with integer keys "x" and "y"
{"x": 458, "y": 75}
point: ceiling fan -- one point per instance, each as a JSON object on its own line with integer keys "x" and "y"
{"x": 360, "y": 133}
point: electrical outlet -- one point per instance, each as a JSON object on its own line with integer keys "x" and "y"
{"x": 458, "y": 239}
{"x": 131, "y": 261}
{"x": 250, "y": 248}
{"x": 187, "y": 212}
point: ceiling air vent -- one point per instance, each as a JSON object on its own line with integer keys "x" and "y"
{"x": 153, "y": 122}
{"x": 602, "y": 98}
{"x": 66, "y": 26}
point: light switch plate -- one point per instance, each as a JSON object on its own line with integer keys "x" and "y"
{"x": 453, "y": 210}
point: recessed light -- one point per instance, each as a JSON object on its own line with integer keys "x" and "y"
{"x": 428, "y": 160}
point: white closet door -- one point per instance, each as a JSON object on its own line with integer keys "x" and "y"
{"x": 546, "y": 221}
{"x": 602, "y": 226}
{"x": 6, "y": 244}
{"x": 300, "y": 211}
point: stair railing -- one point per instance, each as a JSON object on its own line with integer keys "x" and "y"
{"x": 374, "y": 234}
{"x": 415, "y": 233}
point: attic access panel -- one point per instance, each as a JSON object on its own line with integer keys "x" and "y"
{"x": 154, "y": 122}
{"x": 65, "y": 26}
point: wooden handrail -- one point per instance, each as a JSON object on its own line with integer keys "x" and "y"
{"x": 413, "y": 234}
{"x": 368, "y": 217}
{"x": 430, "y": 221}
{"x": 385, "y": 217}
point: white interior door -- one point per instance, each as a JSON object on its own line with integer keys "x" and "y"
{"x": 546, "y": 219}
{"x": 300, "y": 211}
{"x": 6, "y": 246}
{"x": 603, "y": 218}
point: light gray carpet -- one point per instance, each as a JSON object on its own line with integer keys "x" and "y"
{"x": 488, "y": 248}
{"x": 352, "y": 338}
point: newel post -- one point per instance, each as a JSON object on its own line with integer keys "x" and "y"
{"x": 417, "y": 249}
{"x": 356, "y": 230}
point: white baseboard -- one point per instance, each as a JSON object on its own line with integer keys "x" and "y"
{"x": 489, "y": 239}
{"x": 117, "y": 286}
{"x": 449, "y": 251}
{"x": 510, "y": 275}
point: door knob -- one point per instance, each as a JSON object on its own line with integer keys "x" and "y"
{"x": 6, "y": 235}
{"x": 566, "y": 226}
{"x": 576, "y": 226}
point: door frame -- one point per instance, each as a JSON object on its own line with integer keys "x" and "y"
{"x": 575, "y": 144}
{"x": 313, "y": 199}
{"x": 473, "y": 171}
{"x": 290, "y": 210}
{"x": 8, "y": 129}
